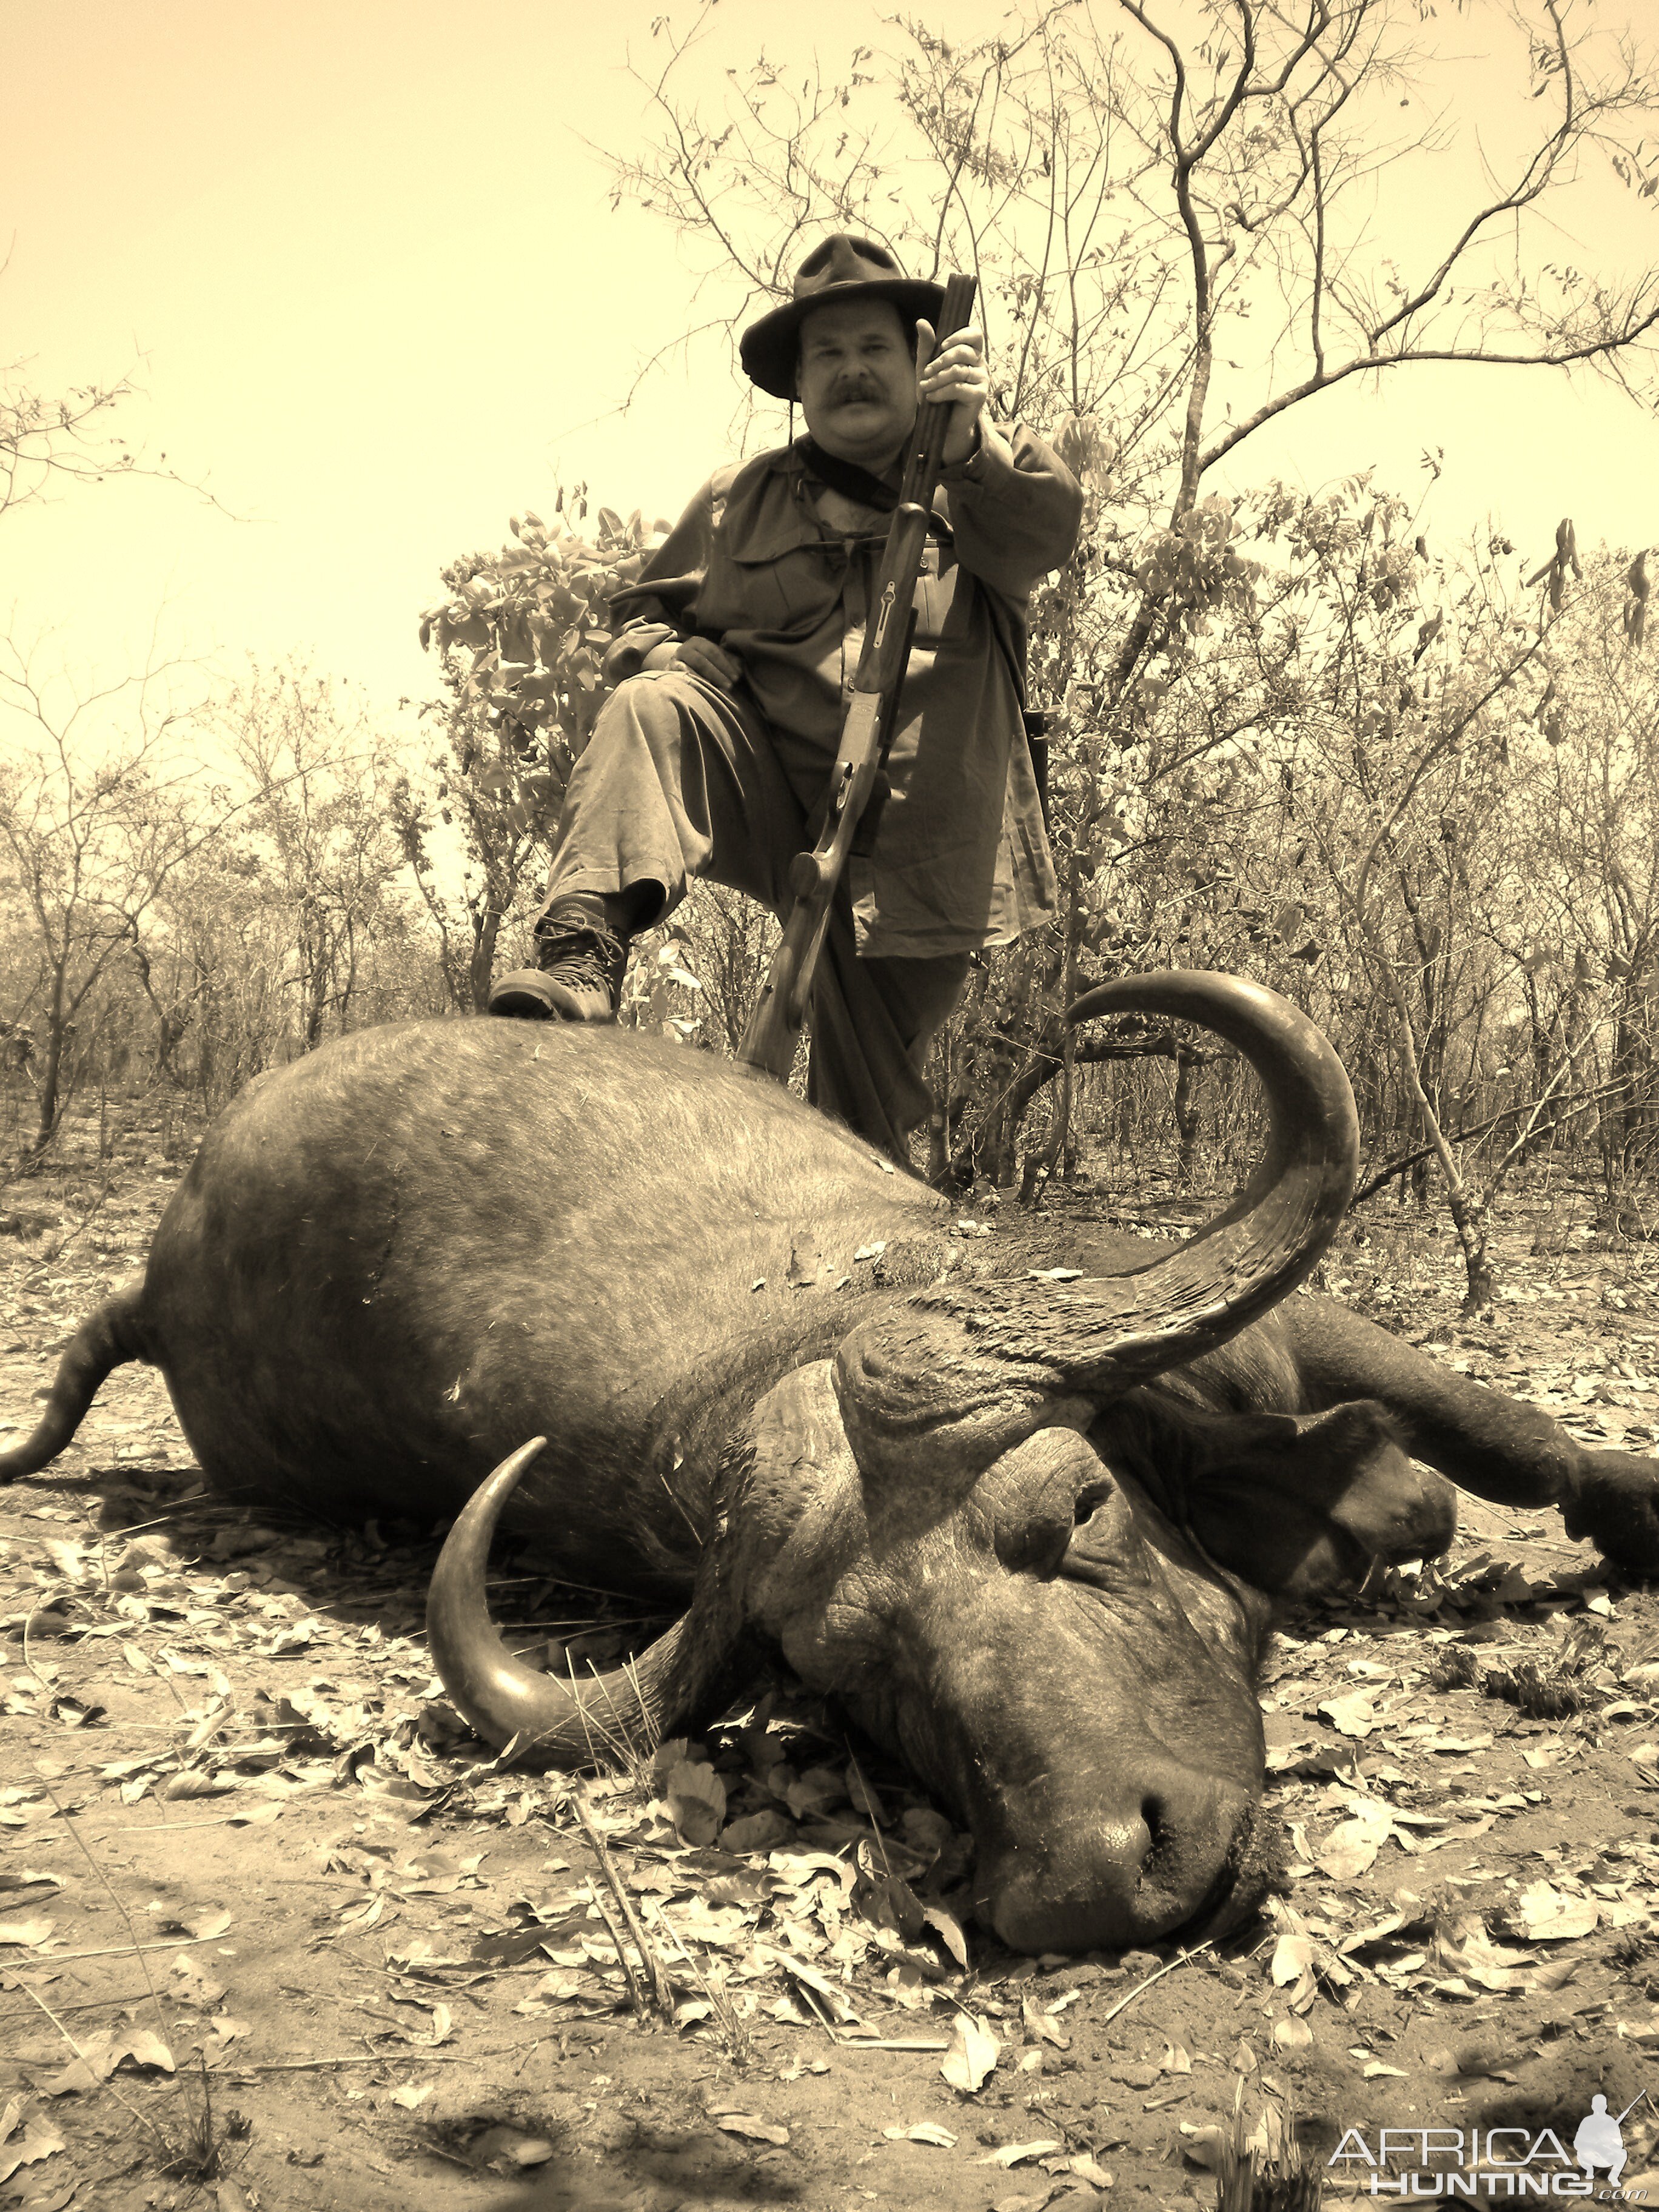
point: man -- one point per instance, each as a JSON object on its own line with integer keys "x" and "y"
{"x": 731, "y": 677}
{"x": 1600, "y": 2142}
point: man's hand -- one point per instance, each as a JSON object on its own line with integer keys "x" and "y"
{"x": 955, "y": 374}
{"x": 698, "y": 656}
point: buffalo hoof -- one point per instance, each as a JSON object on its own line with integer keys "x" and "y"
{"x": 1613, "y": 1499}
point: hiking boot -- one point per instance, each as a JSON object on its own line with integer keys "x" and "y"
{"x": 578, "y": 976}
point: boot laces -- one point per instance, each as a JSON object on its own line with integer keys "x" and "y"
{"x": 583, "y": 956}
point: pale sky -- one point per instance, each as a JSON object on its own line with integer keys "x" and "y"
{"x": 364, "y": 270}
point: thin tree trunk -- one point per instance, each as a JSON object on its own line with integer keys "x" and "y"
{"x": 486, "y": 930}
{"x": 52, "y": 1072}
{"x": 1188, "y": 1115}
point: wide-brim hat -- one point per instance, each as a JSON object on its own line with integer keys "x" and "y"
{"x": 843, "y": 268}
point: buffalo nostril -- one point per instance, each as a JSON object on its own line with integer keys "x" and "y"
{"x": 1171, "y": 1858}
{"x": 1152, "y": 1819}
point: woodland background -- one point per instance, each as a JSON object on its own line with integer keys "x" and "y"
{"x": 1410, "y": 780}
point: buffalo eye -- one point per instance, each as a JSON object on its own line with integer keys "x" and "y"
{"x": 1036, "y": 1546}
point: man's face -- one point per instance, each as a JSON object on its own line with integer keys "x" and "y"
{"x": 857, "y": 380}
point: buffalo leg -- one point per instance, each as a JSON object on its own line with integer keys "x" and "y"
{"x": 1485, "y": 1441}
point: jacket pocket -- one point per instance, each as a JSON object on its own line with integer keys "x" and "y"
{"x": 791, "y": 594}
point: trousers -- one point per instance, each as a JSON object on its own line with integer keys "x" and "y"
{"x": 680, "y": 779}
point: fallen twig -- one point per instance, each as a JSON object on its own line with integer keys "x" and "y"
{"x": 1169, "y": 1968}
{"x": 615, "y": 1933}
{"x": 124, "y": 1951}
{"x": 405, "y": 2058}
{"x": 81, "y": 2004}
{"x": 662, "y": 1989}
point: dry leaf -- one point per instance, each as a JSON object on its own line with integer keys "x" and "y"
{"x": 1466, "y": 1951}
{"x": 38, "y": 2141}
{"x": 1545, "y": 1914}
{"x": 1352, "y": 1847}
{"x": 1352, "y": 1715}
{"x": 408, "y": 2096}
{"x": 758, "y": 1832}
{"x": 506, "y": 2147}
{"x": 1363, "y": 1938}
{"x": 25, "y": 1934}
{"x": 949, "y": 1931}
{"x": 1554, "y": 1976}
{"x": 1294, "y": 1957}
{"x": 814, "y": 1792}
{"x": 178, "y": 1787}
{"x": 1043, "y": 2026}
{"x": 972, "y": 2055}
{"x": 1088, "y": 2170}
{"x": 1293, "y": 2035}
{"x": 147, "y": 2049}
{"x": 751, "y": 2125}
{"x": 696, "y": 1801}
{"x": 211, "y": 1921}
{"x": 1203, "y": 2145}
{"x": 925, "y": 2131}
{"x": 211, "y": 1722}
{"x": 192, "y": 1985}
{"x": 95, "y": 2062}
{"x": 1016, "y": 2154}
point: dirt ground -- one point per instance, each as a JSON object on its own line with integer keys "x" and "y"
{"x": 274, "y": 1933}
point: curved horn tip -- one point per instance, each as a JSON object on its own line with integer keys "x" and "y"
{"x": 1199, "y": 994}
{"x": 1287, "y": 1047}
{"x": 506, "y": 1476}
{"x": 499, "y": 1485}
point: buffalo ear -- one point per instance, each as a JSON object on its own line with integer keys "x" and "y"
{"x": 1299, "y": 1505}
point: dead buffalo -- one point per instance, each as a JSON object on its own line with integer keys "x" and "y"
{"x": 1024, "y": 1505}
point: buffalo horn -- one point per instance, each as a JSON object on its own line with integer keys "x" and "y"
{"x": 1105, "y": 1333}
{"x": 602, "y": 1719}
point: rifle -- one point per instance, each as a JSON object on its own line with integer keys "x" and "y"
{"x": 866, "y": 733}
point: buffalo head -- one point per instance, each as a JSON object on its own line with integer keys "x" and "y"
{"x": 975, "y": 1522}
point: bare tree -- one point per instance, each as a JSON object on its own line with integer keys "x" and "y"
{"x": 55, "y": 440}
{"x": 318, "y": 822}
{"x": 94, "y": 823}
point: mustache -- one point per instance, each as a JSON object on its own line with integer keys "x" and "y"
{"x": 855, "y": 388}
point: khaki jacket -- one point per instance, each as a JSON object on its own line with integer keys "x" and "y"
{"x": 961, "y": 859}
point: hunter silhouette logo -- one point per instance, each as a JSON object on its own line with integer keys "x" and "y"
{"x": 1490, "y": 2162}
{"x": 1600, "y": 2141}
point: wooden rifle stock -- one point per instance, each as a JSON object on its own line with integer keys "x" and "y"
{"x": 774, "y": 1026}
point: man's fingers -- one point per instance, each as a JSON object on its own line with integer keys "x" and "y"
{"x": 705, "y": 659}
{"x": 963, "y": 349}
